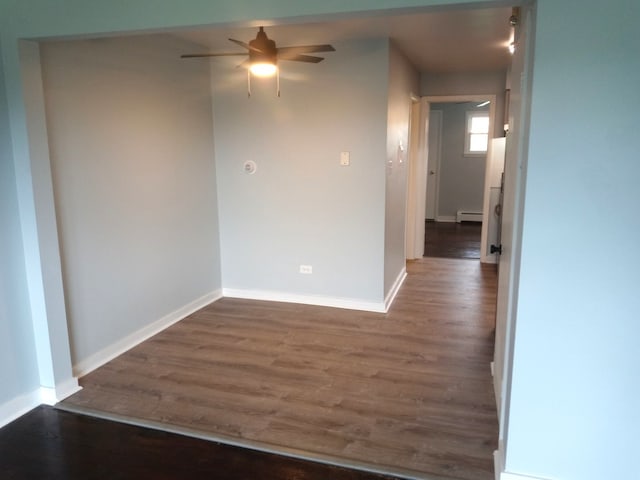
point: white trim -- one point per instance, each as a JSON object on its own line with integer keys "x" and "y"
{"x": 51, "y": 396}
{"x": 498, "y": 465}
{"x": 391, "y": 295}
{"x": 67, "y": 388}
{"x": 322, "y": 301}
{"x": 498, "y": 461}
{"x": 517, "y": 476}
{"x": 107, "y": 354}
{"x": 446, "y": 218}
{"x": 469, "y": 115}
{"x": 491, "y": 258}
{"x": 433, "y": 153}
{"x": 18, "y": 406}
{"x": 497, "y": 389}
{"x": 416, "y": 180}
{"x": 47, "y": 396}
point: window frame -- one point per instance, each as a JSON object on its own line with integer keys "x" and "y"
{"x": 469, "y": 115}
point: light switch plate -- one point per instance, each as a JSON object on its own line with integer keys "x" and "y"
{"x": 345, "y": 161}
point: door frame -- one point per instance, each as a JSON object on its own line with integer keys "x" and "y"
{"x": 414, "y": 230}
{"x": 418, "y": 170}
{"x": 513, "y": 219}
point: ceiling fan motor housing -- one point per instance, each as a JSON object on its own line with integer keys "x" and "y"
{"x": 263, "y": 49}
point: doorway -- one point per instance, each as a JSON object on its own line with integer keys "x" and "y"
{"x": 455, "y": 216}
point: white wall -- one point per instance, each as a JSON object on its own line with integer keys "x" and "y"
{"x": 470, "y": 83}
{"x": 301, "y": 206}
{"x": 19, "y": 371}
{"x": 574, "y": 396}
{"x": 461, "y": 184}
{"x": 403, "y": 83}
{"x": 130, "y": 138}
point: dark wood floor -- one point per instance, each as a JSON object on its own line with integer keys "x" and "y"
{"x": 452, "y": 240}
{"x": 408, "y": 392}
{"x": 52, "y": 444}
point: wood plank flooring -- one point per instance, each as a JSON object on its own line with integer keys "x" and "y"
{"x": 452, "y": 240}
{"x": 51, "y": 444}
{"x": 408, "y": 392}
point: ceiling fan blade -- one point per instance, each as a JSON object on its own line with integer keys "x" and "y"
{"x": 245, "y": 64}
{"x": 198, "y": 55}
{"x": 301, "y": 58}
{"x": 296, "y": 50}
{"x": 245, "y": 45}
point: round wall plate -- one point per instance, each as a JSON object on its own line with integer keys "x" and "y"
{"x": 250, "y": 167}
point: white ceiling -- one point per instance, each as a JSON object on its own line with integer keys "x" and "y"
{"x": 441, "y": 42}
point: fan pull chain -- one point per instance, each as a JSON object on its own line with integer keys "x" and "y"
{"x": 278, "y": 81}
{"x": 248, "y": 83}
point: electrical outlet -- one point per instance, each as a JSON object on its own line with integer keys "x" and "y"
{"x": 345, "y": 159}
{"x": 306, "y": 269}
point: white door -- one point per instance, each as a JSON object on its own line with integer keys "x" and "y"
{"x": 492, "y": 200}
{"x": 433, "y": 163}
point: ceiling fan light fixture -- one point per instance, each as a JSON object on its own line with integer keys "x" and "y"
{"x": 264, "y": 56}
{"x": 263, "y": 69}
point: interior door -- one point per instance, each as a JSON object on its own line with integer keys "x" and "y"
{"x": 493, "y": 200}
{"x": 433, "y": 163}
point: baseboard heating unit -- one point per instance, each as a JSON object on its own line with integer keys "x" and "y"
{"x": 465, "y": 216}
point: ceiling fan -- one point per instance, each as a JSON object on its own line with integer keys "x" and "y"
{"x": 264, "y": 56}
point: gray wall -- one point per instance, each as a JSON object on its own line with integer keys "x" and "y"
{"x": 461, "y": 177}
{"x": 301, "y": 206}
{"x": 575, "y": 388}
{"x": 471, "y": 83}
{"x": 403, "y": 83}
{"x": 19, "y": 370}
{"x": 130, "y": 137}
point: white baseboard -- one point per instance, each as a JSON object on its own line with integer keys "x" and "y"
{"x": 517, "y": 476}
{"x": 16, "y": 407}
{"x": 498, "y": 465}
{"x": 271, "y": 296}
{"x": 498, "y": 461}
{"x": 497, "y": 389}
{"x": 51, "y": 396}
{"x": 491, "y": 258}
{"x": 391, "y": 295}
{"x": 446, "y": 218}
{"x": 107, "y": 354}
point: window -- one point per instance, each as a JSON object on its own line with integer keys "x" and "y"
{"x": 477, "y": 133}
